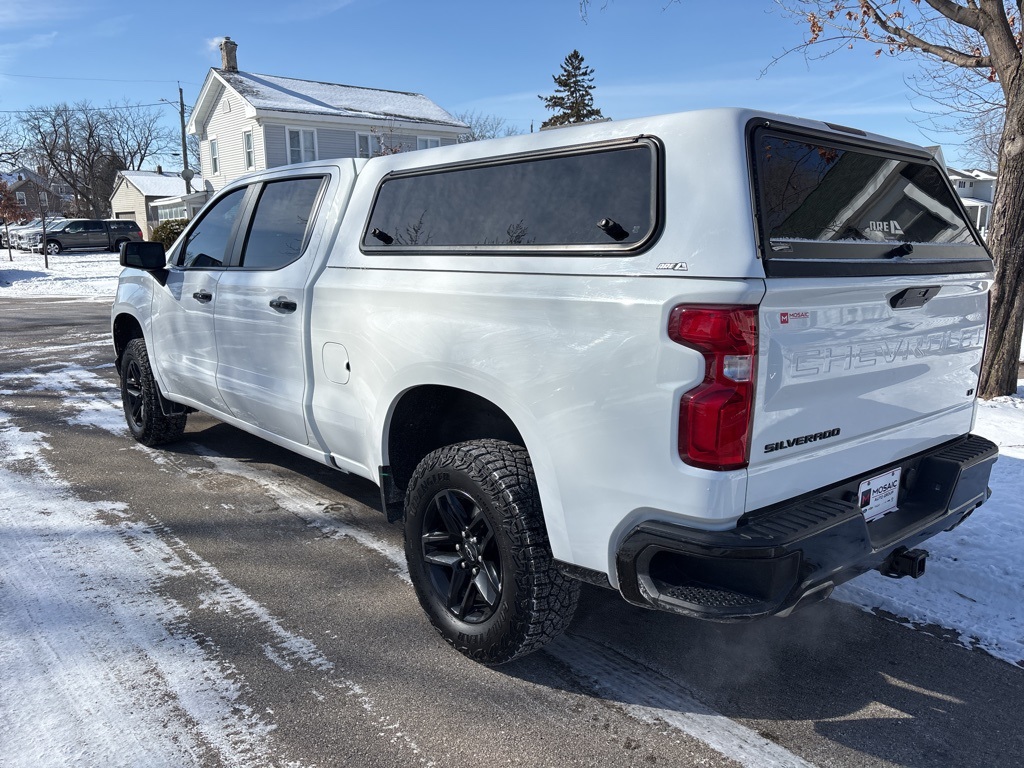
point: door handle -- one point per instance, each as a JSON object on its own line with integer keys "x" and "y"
{"x": 283, "y": 305}
{"x": 203, "y": 296}
{"x": 913, "y": 297}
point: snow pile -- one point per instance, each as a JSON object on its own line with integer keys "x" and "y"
{"x": 973, "y": 583}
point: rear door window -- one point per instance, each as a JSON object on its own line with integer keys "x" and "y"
{"x": 281, "y": 222}
{"x": 836, "y": 208}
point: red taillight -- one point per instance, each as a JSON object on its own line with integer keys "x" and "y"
{"x": 714, "y": 417}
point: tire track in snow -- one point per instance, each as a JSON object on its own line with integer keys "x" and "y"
{"x": 89, "y": 650}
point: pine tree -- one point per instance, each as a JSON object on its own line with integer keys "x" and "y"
{"x": 573, "y": 100}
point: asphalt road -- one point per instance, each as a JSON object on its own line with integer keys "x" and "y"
{"x": 291, "y": 549}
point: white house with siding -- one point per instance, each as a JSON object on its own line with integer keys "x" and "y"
{"x": 137, "y": 194}
{"x": 249, "y": 122}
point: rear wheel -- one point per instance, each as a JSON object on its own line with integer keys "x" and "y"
{"x": 478, "y": 552}
{"x": 140, "y": 398}
{"x": 118, "y": 244}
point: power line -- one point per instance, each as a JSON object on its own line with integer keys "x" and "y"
{"x": 82, "y": 109}
{"x": 87, "y": 79}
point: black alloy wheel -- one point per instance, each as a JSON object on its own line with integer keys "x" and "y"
{"x": 462, "y": 556}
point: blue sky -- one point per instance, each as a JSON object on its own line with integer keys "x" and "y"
{"x": 489, "y": 57}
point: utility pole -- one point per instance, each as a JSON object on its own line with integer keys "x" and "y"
{"x": 46, "y": 256}
{"x": 186, "y": 172}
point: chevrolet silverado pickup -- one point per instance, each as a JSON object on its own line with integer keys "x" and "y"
{"x": 719, "y": 361}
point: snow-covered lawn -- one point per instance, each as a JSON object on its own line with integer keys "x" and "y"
{"x": 87, "y": 275}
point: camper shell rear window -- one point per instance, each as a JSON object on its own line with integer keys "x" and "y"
{"x": 828, "y": 207}
{"x": 598, "y": 198}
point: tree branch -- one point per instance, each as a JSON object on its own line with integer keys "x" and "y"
{"x": 944, "y": 52}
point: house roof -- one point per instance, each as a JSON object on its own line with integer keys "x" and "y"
{"x": 19, "y": 176}
{"x": 153, "y": 184}
{"x": 272, "y": 93}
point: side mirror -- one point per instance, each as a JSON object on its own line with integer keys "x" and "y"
{"x": 143, "y": 255}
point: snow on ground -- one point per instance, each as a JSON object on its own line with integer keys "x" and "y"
{"x": 89, "y": 652}
{"x": 88, "y": 275}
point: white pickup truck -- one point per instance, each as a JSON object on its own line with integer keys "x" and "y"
{"x": 719, "y": 361}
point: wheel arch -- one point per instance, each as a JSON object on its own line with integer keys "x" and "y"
{"x": 424, "y": 417}
{"x": 431, "y": 416}
{"x": 124, "y": 327}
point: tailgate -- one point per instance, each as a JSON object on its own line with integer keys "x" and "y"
{"x": 852, "y": 382}
{"x": 873, "y": 324}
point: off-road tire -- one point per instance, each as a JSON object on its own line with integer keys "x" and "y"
{"x": 140, "y": 397}
{"x": 492, "y": 485}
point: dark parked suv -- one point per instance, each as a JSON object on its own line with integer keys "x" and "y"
{"x": 94, "y": 234}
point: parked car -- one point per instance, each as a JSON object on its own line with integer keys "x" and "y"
{"x": 7, "y": 236}
{"x": 26, "y": 237}
{"x": 93, "y": 234}
{"x": 719, "y": 361}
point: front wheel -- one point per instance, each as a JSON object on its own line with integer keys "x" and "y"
{"x": 52, "y": 247}
{"x": 478, "y": 552}
{"x": 140, "y": 397}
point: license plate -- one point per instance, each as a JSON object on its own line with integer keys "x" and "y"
{"x": 879, "y": 494}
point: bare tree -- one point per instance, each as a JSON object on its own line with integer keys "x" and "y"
{"x": 971, "y": 55}
{"x": 135, "y": 134}
{"x": 483, "y": 126}
{"x": 75, "y": 142}
{"x": 12, "y": 143}
{"x": 9, "y": 211}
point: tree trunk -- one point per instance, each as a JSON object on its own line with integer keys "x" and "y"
{"x": 1006, "y": 241}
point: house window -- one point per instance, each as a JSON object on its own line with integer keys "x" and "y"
{"x": 367, "y": 145}
{"x": 21, "y": 198}
{"x": 301, "y": 145}
{"x": 247, "y": 146}
{"x": 424, "y": 142}
{"x": 214, "y": 157}
{"x": 961, "y": 185}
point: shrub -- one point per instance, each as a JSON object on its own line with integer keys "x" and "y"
{"x": 167, "y": 232}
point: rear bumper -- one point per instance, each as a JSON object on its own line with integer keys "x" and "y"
{"x": 801, "y": 549}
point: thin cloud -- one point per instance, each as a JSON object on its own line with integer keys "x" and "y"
{"x": 311, "y": 9}
{"x": 26, "y": 13}
{"x": 14, "y": 51}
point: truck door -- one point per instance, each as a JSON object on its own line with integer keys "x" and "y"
{"x": 184, "y": 346}
{"x": 261, "y": 315}
{"x": 95, "y": 232}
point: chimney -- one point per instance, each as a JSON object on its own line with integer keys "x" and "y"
{"x": 228, "y": 60}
